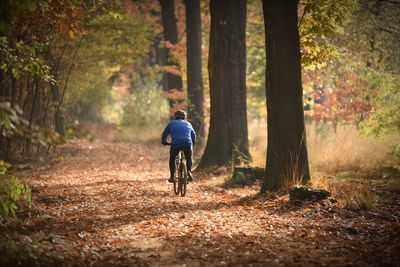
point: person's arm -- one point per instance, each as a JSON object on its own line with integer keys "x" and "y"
{"x": 192, "y": 134}
{"x": 165, "y": 134}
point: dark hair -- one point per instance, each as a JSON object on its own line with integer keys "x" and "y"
{"x": 180, "y": 114}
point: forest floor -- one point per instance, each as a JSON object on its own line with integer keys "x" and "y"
{"x": 107, "y": 203}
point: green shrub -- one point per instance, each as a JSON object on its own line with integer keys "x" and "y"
{"x": 385, "y": 116}
{"x": 13, "y": 193}
{"x": 395, "y": 151}
{"x": 12, "y": 121}
{"x": 145, "y": 108}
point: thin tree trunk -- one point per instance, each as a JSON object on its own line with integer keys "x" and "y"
{"x": 287, "y": 159}
{"x": 7, "y": 97}
{"x": 174, "y": 81}
{"x": 228, "y": 136}
{"x": 1, "y": 85}
{"x": 32, "y": 114}
{"x": 157, "y": 57}
{"x": 2, "y": 139}
{"x": 55, "y": 90}
{"x": 5, "y": 143}
{"x": 13, "y": 89}
{"x": 161, "y": 60}
{"x": 194, "y": 67}
{"x": 8, "y": 87}
{"x": 46, "y": 111}
{"x": 59, "y": 119}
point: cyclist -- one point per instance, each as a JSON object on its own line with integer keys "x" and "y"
{"x": 183, "y": 137}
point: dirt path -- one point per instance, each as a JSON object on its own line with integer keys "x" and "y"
{"x": 104, "y": 203}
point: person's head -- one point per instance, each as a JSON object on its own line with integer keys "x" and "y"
{"x": 180, "y": 115}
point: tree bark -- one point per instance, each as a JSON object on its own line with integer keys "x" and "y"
{"x": 58, "y": 117}
{"x": 157, "y": 57}
{"x": 194, "y": 67}
{"x": 2, "y": 87}
{"x": 3, "y": 141}
{"x": 59, "y": 125}
{"x": 287, "y": 159}
{"x": 228, "y": 135}
{"x": 174, "y": 81}
{"x": 28, "y": 140}
{"x": 58, "y": 120}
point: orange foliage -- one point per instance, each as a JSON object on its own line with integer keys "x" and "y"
{"x": 344, "y": 100}
{"x": 60, "y": 17}
{"x": 171, "y": 69}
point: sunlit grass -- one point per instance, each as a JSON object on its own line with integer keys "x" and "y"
{"x": 321, "y": 182}
{"x": 365, "y": 196}
{"x": 346, "y": 150}
{"x": 258, "y": 142}
{"x": 330, "y": 151}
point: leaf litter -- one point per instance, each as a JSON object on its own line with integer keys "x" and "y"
{"x": 108, "y": 203}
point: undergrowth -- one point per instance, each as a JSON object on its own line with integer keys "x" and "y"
{"x": 332, "y": 151}
{"x": 14, "y": 194}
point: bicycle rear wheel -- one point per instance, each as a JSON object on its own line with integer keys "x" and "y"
{"x": 183, "y": 180}
{"x": 176, "y": 178}
{"x": 176, "y": 186}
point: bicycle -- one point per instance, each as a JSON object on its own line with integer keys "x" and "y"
{"x": 181, "y": 176}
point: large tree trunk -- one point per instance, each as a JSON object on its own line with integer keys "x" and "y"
{"x": 287, "y": 158}
{"x": 194, "y": 76}
{"x": 174, "y": 81}
{"x": 228, "y": 136}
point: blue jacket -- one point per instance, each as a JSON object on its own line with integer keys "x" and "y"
{"x": 182, "y": 133}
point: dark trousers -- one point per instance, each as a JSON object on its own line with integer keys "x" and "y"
{"x": 187, "y": 150}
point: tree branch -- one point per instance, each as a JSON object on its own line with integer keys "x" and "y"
{"x": 305, "y": 34}
{"x": 385, "y": 30}
{"x": 390, "y": 1}
{"x": 304, "y": 13}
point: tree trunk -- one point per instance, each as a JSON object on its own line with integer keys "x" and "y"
{"x": 194, "y": 77}
{"x": 3, "y": 140}
{"x": 174, "y": 81}
{"x": 28, "y": 140}
{"x": 59, "y": 126}
{"x": 157, "y": 57}
{"x": 2, "y": 87}
{"x": 287, "y": 159}
{"x": 13, "y": 89}
{"x": 58, "y": 119}
{"x": 228, "y": 136}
